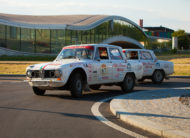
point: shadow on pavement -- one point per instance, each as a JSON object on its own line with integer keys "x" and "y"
{"x": 90, "y": 117}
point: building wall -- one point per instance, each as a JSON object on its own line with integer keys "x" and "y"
{"x": 52, "y": 41}
{"x": 160, "y": 34}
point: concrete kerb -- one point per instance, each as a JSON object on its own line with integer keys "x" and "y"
{"x": 12, "y": 75}
{"x": 117, "y": 108}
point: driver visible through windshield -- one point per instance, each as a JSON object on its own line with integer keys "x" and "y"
{"x": 76, "y": 52}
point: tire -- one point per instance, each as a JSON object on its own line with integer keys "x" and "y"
{"x": 38, "y": 91}
{"x": 158, "y": 76}
{"x": 95, "y": 87}
{"x": 128, "y": 83}
{"x": 76, "y": 85}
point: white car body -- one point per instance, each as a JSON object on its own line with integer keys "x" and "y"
{"x": 149, "y": 61}
{"x": 97, "y": 71}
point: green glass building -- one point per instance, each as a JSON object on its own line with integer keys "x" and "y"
{"x": 49, "y": 34}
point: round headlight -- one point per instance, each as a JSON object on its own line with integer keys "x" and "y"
{"x": 58, "y": 73}
{"x": 29, "y": 73}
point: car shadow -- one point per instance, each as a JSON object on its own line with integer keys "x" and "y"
{"x": 93, "y": 95}
{"x": 112, "y": 91}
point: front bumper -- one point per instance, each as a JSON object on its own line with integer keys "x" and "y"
{"x": 46, "y": 83}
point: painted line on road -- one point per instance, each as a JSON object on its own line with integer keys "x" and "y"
{"x": 100, "y": 117}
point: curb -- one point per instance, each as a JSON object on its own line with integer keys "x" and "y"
{"x": 12, "y": 75}
{"x": 184, "y": 77}
{"x": 117, "y": 108}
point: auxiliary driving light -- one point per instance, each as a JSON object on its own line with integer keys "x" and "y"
{"x": 58, "y": 73}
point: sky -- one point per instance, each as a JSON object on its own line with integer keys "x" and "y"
{"x": 174, "y": 14}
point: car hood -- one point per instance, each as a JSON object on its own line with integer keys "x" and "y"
{"x": 54, "y": 65}
{"x": 163, "y": 61}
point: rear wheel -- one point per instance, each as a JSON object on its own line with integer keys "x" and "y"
{"x": 95, "y": 87}
{"x": 158, "y": 76}
{"x": 38, "y": 91}
{"x": 128, "y": 83}
{"x": 76, "y": 85}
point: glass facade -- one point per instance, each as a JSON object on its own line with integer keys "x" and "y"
{"x": 52, "y": 41}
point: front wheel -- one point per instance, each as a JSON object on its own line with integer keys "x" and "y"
{"x": 76, "y": 85}
{"x": 128, "y": 83}
{"x": 158, "y": 76}
{"x": 38, "y": 91}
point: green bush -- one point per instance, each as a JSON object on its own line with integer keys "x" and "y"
{"x": 173, "y": 51}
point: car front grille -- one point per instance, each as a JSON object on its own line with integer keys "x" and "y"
{"x": 43, "y": 74}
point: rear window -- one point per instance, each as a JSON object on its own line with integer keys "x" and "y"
{"x": 132, "y": 55}
{"x": 145, "y": 55}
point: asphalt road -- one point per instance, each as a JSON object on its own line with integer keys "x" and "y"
{"x": 58, "y": 115}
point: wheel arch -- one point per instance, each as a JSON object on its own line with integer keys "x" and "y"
{"x": 79, "y": 70}
{"x": 132, "y": 73}
{"x": 160, "y": 70}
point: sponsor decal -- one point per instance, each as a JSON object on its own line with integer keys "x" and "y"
{"x": 104, "y": 72}
{"x": 166, "y": 66}
{"x": 90, "y": 78}
{"x": 117, "y": 75}
{"x": 148, "y": 65}
{"x": 89, "y": 68}
{"x": 120, "y": 69}
{"x": 103, "y": 69}
{"x": 119, "y": 65}
{"x": 157, "y": 65}
{"x": 105, "y": 78}
{"x": 52, "y": 64}
{"x": 115, "y": 65}
{"x": 75, "y": 47}
{"x": 76, "y": 64}
{"x": 129, "y": 66}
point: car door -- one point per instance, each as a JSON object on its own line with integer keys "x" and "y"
{"x": 102, "y": 67}
{"x": 118, "y": 64}
{"x": 148, "y": 63}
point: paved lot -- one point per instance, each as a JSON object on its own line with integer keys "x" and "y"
{"x": 158, "y": 111}
{"x": 22, "y": 114}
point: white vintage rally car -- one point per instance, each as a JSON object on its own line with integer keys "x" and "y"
{"x": 153, "y": 68}
{"x": 80, "y": 66}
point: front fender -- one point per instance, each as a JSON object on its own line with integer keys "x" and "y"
{"x": 74, "y": 67}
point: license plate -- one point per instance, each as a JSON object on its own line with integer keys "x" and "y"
{"x": 40, "y": 83}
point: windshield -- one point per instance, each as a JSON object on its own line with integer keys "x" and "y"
{"x": 80, "y": 53}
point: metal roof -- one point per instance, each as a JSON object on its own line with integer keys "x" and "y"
{"x": 72, "y": 22}
{"x": 159, "y": 29}
{"x": 57, "y": 19}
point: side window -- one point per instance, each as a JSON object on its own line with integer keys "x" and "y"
{"x": 115, "y": 54}
{"x": 101, "y": 53}
{"x": 146, "y": 55}
{"x": 132, "y": 55}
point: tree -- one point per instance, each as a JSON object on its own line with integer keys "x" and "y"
{"x": 182, "y": 39}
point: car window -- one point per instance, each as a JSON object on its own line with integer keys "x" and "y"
{"x": 73, "y": 53}
{"x": 101, "y": 53}
{"x": 115, "y": 54}
{"x": 145, "y": 55}
{"x": 132, "y": 55}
